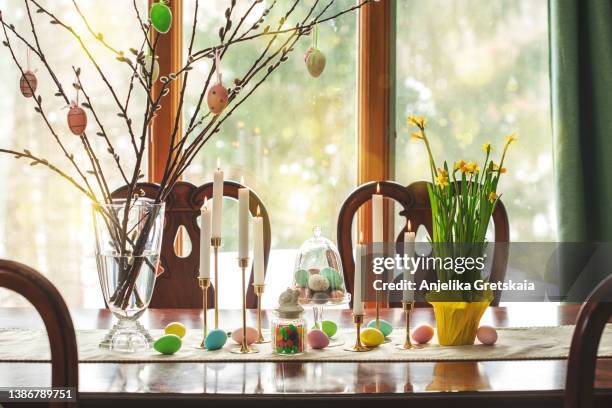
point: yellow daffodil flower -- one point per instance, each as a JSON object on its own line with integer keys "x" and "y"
{"x": 487, "y": 148}
{"x": 460, "y": 165}
{"x": 472, "y": 167}
{"x": 418, "y": 121}
{"x": 492, "y": 196}
{"x": 511, "y": 138}
{"x": 442, "y": 180}
{"x": 498, "y": 169}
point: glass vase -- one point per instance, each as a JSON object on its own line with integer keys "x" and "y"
{"x": 128, "y": 244}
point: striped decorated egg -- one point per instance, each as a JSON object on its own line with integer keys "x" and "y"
{"x": 77, "y": 120}
{"x": 28, "y": 90}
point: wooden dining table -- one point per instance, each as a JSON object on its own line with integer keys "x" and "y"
{"x": 484, "y": 383}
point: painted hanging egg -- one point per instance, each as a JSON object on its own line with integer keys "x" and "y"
{"x": 217, "y": 98}
{"x": 385, "y": 326}
{"x": 145, "y": 69}
{"x": 176, "y": 328}
{"x": 77, "y": 120}
{"x": 168, "y": 344}
{"x": 161, "y": 17}
{"x": 28, "y": 77}
{"x": 315, "y": 61}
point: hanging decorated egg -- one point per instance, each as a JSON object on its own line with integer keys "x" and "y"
{"x": 161, "y": 16}
{"x": 217, "y": 98}
{"x": 28, "y": 90}
{"x": 145, "y": 69}
{"x": 315, "y": 61}
{"x": 77, "y": 119}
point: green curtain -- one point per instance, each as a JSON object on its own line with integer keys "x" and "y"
{"x": 581, "y": 86}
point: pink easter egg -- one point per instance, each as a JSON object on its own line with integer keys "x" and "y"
{"x": 487, "y": 335}
{"x": 217, "y": 98}
{"x": 251, "y": 335}
{"x": 422, "y": 334}
{"x": 317, "y": 339}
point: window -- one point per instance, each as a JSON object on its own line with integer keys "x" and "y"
{"x": 294, "y": 141}
{"x": 479, "y": 70}
{"x": 45, "y": 222}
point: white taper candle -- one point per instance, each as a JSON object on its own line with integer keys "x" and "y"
{"x": 205, "y": 234}
{"x": 377, "y": 216}
{"x": 243, "y": 222}
{"x": 217, "y": 201}
{"x": 409, "y": 239}
{"x": 258, "y": 249}
{"x": 359, "y": 253}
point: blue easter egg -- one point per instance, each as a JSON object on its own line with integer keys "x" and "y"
{"x": 215, "y": 339}
{"x": 385, "y": 326}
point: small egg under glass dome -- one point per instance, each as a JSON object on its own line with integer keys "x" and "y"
{"x": 318, "y": 276}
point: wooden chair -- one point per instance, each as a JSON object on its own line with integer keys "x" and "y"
{"x": 419, "y": 213}
{"x": 416, "y": 208}
{"x": 591, "y": 321}
{"x": 356, "y": 199}
{"x": 177, "y": 286}
{"x": 49, "y": 303}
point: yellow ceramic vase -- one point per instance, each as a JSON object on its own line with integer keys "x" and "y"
{"x": 457, "y": 322}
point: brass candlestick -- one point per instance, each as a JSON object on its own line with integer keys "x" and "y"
{"x": 259, "y": 290}
{"x": 216, "y": 243}
{"x": 407, "y": 306}
{"x": 358, "y": 347}
{"x": 204, "y": 285}
{"x": 244, "y": 347}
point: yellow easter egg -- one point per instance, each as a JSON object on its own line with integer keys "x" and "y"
{"x": 372, "y": 337}
{"x": 176, "y": 328}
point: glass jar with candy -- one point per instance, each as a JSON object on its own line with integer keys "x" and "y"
{"x": 289, "y": 326}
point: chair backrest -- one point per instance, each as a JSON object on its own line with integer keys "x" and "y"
{"x": 592, "y": 319}
{"x": 419, "y": 213}
{"x": 49, "y": 303}
{"x": 177, "y": 286}
{"x": 416, "y": 208}
{"x": 356, "y": 199}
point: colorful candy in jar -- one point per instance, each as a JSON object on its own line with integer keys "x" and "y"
{"x": 288, "y": 339}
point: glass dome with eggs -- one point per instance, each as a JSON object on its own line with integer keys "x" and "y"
{"x": 318, "y": 275}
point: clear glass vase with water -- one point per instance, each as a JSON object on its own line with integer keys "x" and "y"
{"x": 128, "y": 244}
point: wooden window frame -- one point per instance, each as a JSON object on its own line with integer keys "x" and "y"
{"x": 375, "y": 106}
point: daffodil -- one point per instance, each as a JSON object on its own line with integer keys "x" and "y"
{"x": 498, "y": 169}
{"x": 487, "y": 148}
{"x": 418, "y": 121}
{"x": 511, "y": 138}
{"x": 442, "y": 180}
{"x": 472, "y": 167}
{"x": 492, "y": 196}
{"x": 460, "y": 165}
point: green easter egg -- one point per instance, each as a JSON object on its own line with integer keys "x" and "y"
{"x": 330, "y": 328}
{"x": 161, "y": 17}
{"x": 176, "y": 328}
{"x": 385, "y": 326}
{"x": 215, "y": 339}
{"x": 301, "y": 278}
{"x": 333, "y": 276}
{"x": 168, "y": 344}
{"x": 371, "y": 337}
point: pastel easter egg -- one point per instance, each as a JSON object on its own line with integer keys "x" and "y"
{"x": 333, "y": 276}
{"x": 217, "y": 98}
{"x": 251, "y": 335}
{"x": 28, "y": 78}
{"x": 314, "y": 271}
{"x": 161, "y": 17}
{"x": 77, "y": 120}
{"x": 330, "y": 328}
{"x": 301, "y": 278}
{"x": 168, "y": 344}
{"x": 422, "y": 334}
{"x": 385, "y": 326}
{"x": 317, "y": 339}
{"x": 487, "y": 335}
{"x": 315, "y": 62}
{"x": 176, "y": 328}
{"x": 371, "y": 337}
{"x": 337, "y": 296}
{"x": 318, "y": 283}
{"x": 215, "y": 339}
{"x": 150, "y": 63}
{"x": 320, "y": 298}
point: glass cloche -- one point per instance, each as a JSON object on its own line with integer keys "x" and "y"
{"x": 318, "y": 272}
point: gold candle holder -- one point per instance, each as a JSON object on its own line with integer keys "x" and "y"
{"x": 216, "y": 243}
{"x": 259, "y": 290}
{"x": 407, "y": 306}
{"x": 244, "y": 347}
{"x": 204, "y": 285}
{"x": 358, "y": 347}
